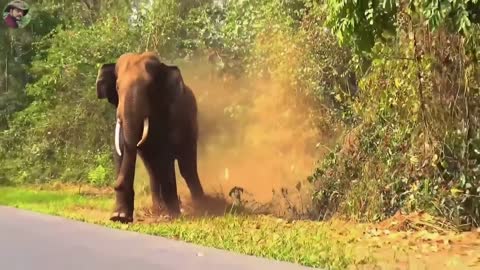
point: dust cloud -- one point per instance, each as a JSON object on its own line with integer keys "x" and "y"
{"x": 254, "y": 134}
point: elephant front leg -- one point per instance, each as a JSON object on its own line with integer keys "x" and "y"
{"x": 124, "y": 189}
{"x": 163, "y": 184}
{"x": 149, "y": 160}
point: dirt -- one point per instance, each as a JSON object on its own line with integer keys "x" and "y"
{"x": 424, "y": 250}
{"x": 419, "y": 241}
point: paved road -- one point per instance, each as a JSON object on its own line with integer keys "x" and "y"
{"x": 31, "y": 241}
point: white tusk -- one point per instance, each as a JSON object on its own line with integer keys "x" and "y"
{"x": 117, "y": 138}
{"x": 145, "y": 132}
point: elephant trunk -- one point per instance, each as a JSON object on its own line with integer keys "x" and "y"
{"x": 133, "y": 119}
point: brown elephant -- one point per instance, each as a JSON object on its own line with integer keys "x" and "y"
{"x": 156, "y": 118}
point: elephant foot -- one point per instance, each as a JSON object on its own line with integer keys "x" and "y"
{"x": 121, "y": 217}
{"x": 124, "y": 207}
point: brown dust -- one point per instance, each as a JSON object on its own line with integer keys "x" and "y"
{"x": 255, "y": 135}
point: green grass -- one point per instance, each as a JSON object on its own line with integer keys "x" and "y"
{"x": 49, "y": 201}
{"x": 306, "y": 243}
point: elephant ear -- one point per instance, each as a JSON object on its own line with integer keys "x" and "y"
{"x": 107, "y": 84}
{"x": 174, "y": 81}
{"x": 168, "y": 78}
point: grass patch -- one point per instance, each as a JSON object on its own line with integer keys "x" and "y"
{"x": 307, "y": 243}
{"x": 51, "y": 202}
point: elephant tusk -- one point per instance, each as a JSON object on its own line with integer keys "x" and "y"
{"x": 145, "y": 131}
{"x": 117, "y": 138}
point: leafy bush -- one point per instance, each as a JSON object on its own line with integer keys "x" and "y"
{"x": 415, "y": 146}
{"x": 55, "y": 137}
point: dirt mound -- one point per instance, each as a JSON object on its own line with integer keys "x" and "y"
{"x": 211, "y": 206}
{"x": 415, "y": 221}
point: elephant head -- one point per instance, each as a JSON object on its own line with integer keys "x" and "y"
{"x": 136, "y": 85}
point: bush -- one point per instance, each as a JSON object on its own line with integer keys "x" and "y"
{"x": 54, "y": 137}
{"x": 414, "y": 148}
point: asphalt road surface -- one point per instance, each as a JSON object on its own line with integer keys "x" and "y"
{"x": 31, "y": 241}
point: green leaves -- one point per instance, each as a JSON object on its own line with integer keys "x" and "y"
{"x": 55, "y": 131}
{"x": 416, "y": 149}
{"x": 360, "y": 23}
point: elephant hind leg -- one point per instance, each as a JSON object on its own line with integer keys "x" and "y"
{"x": 187, "y": 163}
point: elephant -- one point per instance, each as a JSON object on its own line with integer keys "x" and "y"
{"x": 156, "y": 118}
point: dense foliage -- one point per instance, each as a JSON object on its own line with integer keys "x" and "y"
{"x": 401, "y": 77}
{"x": 417, "y": 144}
